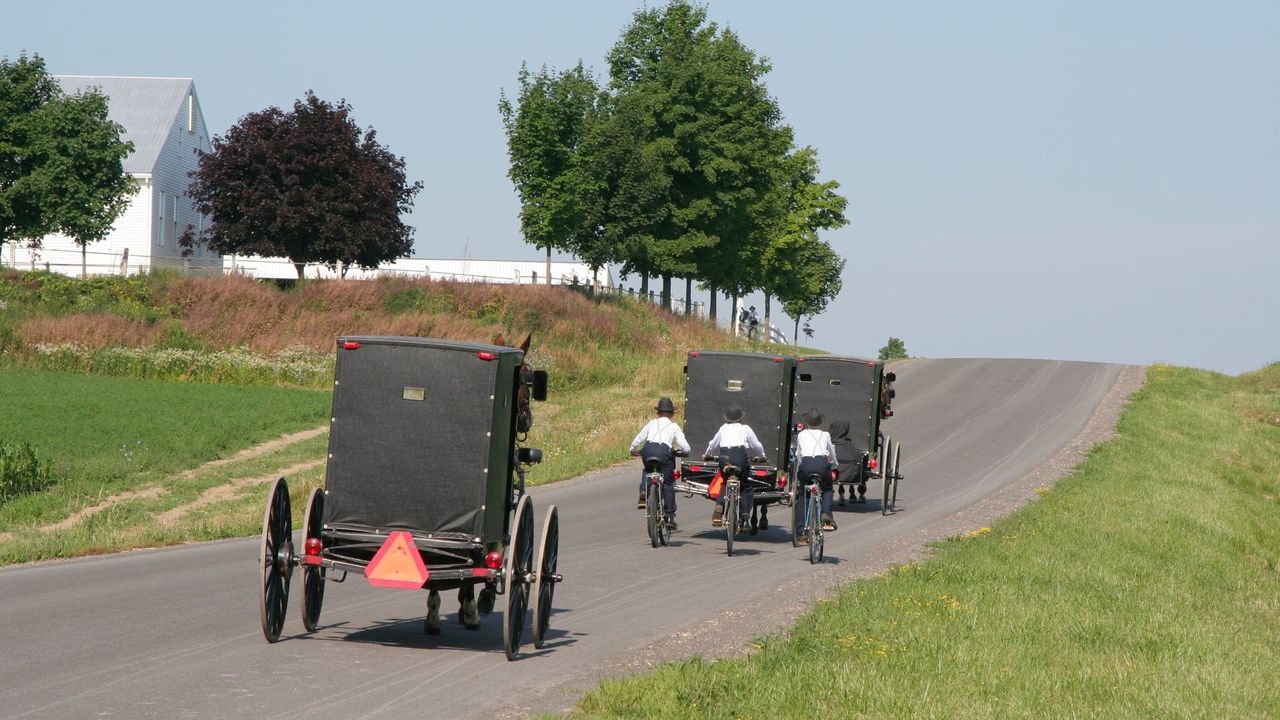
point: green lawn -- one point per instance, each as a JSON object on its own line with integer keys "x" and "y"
{"x": 1146, "y": 585}
{"x": 106, "y": 435}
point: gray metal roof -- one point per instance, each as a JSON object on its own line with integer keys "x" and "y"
{"x": 146, "y": 107}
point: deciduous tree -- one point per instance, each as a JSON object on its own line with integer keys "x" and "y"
{"x": 308, "y": 185}
{"x": 61, "y": 159}
{"x": 895, "y": 349}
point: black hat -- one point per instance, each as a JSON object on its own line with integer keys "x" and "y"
{"x": 665, "y": 406}
{"x": 733, "y": 414}
{"x": 813, "y": 418}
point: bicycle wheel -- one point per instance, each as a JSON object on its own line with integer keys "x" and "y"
{"x": 730, "y": 514}
{"x": 886, "y": 472}
{"x": 653, "y": 514}
{"x": 815, "y": 529}
{"x": 664, "y": 529}
{"x": 793, "y": 493}
{"x": 897, "y": 475}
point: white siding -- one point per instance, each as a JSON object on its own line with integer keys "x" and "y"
{"x": 171, "y": 177}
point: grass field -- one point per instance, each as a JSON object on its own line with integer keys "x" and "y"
{"x": 109, "y": 436}
{"x": 1146, "y": 585}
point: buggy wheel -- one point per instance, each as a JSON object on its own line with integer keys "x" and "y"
{"x": 519, "y": 564}
{"x": 731, "y": 515}
{"x": 653, "y": 515}
{"x": 276, "y": 558}
{"x": 544, "y": 588}
{"x": 886, "y": 473}
{"x": 897, "y": 475}
{"x": 794, "y": 510}
{"x": 312, "y": 575}
{"x": 814, "y": 524}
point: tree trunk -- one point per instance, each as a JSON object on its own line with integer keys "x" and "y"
{"x": 84, "y": 261}
{"x": 301, "y": 268}
{"x": 795, "y": 334}
{"x": 548, "y": 263}
{"x": 711, "y": 307}
{"x": 737, "y": 313}
{"x": 666, "y": 292}
{"x": 767, "y": 325}
{"x": 644, "y": 284}
{"x": 688, "y": 296}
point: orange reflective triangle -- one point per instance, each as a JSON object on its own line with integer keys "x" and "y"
{"x": 398, "y": 563}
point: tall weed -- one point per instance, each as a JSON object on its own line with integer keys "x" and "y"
{"x": 22, "y": 472}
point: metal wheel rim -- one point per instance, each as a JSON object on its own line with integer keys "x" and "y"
{"x": 885, "y": 472}
{"x": 897, "y": 474}
{"x": 519, "y": 560}
{"x": 544, "y": 588}
{"x": 651, "y": 514}
{"x": 277, "y": 546}
{"x": 313, "y": 575}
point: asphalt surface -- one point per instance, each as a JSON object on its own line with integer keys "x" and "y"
{"x": 174, "y": 633}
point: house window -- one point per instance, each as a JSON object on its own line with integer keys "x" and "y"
{"x": 174, "y": 217}
{"x": 162, "y": 239}
{"x": 191, "y": 112}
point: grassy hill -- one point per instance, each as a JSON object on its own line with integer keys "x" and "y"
{"x": 196, "y": 370}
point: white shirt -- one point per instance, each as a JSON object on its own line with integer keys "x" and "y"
{"x": 664, "y": 431}
{"x": 735, "y": 435}
{"x": 811, "y": 442}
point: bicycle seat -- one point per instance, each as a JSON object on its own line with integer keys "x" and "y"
{"x": 812, "y": 478}
{"x": 652, "y": 464}
{"x": 729, "y": 469}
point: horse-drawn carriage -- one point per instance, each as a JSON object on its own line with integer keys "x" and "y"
{"x": 424, "y": 487}
{"x": 760, "y": 385}
{"x": 853, "y": 395}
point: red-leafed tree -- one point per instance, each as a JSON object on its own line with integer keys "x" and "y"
{"x": 307, "y": 185}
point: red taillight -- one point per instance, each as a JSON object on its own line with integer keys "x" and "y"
{"x": 871, "y": 364}
{"x": 782, "y": 482}
{"x": 350, "y": 345}
{"x": 493, "y": 560}
{"x": 313, "y": 546}
{"x": 872, "y": 464}
{"x": 693, "y": 354}
{"x": 695, "y": 468}
{"x": 676, "y": 475}
{"x": 777, "y": 359}
{"x": 759, "y": 473}
{"x": 485, "y": 355}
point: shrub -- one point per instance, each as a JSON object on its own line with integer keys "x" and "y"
{"x": 22, "y": 472}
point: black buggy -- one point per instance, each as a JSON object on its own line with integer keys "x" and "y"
{"x": 858, "y": 392}
{"x": 760, "y": 385}
{"x": 424, "y": 487}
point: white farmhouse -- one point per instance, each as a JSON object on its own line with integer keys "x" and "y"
{"x": 162, "y": 118}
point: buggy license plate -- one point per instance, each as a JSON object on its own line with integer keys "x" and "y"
{"x": 414, "y": 393}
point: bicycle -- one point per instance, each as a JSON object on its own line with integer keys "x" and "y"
{"x": 812, "y": 528}
{"x": 655, "y": 506}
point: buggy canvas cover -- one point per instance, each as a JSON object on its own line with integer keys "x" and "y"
{"x": 759, "y": 384}
{"x": 421, "y": 437}
{"x": 842, "y": 388}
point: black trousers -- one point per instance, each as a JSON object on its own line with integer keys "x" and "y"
{"x": 738, "y": 456}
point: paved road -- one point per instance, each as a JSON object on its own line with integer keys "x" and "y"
{"x": 174, "y": 633}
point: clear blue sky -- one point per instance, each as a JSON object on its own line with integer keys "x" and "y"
{"x": 1066, "y": 180}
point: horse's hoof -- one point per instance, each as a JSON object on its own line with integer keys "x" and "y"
{"x": 488, "y": 596}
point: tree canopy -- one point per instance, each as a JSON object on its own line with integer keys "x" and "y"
{"x": 61, "y": 158}
{"x": 307, "y": 185}
{"x": 895, "y": 349}
{"x": 681, "y": 166}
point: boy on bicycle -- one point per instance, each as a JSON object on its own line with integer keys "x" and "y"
{"x": 662, "y": 438}
{"x": 730, "y": 446}
{"x": 817, "y": 456}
